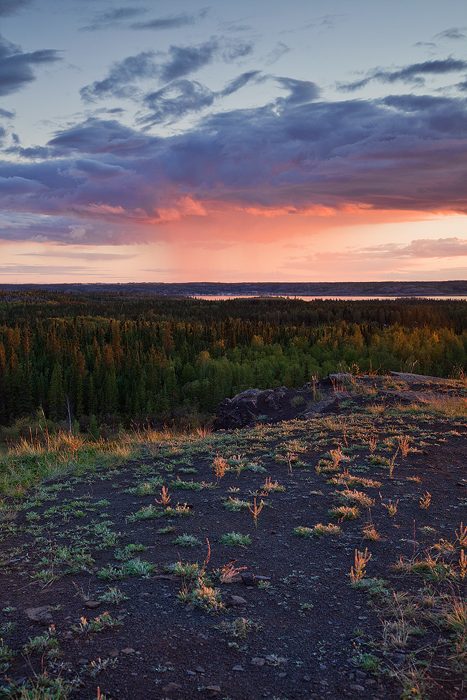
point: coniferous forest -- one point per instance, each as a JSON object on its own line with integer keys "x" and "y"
{"x": 103, "y": 360}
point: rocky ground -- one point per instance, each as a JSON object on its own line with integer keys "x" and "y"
{"x": 312, "y": 547}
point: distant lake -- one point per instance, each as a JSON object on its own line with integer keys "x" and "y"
{"x": 335, "y": 297}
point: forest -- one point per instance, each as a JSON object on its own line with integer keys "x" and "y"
{"x": 100, "y": 361}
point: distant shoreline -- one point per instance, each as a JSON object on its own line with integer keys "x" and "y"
{"x": 415, "y": 289}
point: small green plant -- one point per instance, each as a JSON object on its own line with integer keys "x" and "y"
{"x": 180, "y": 510}
{"x": 137, "y": 567}
{"x": 165, "y": 530}
{"x": 6, "y": 656}
{"x": 187, "y": 541}
{"x": 236, "y": 504}
{"x": 113, "y": 595}
{"x": 184, "y": 570}
{"x": 7, "y": 628}
{"x": 189, "y": 485}
{"x": 318, "y": 530}
{"x": 110, "y": 573}
{"x": 367, "y": 662}
{"x": 372, "y": 586}
{"x": 264, "y": 585}
{"x": 321, "y": 530}
{"x": 270, "y": 486}
{"x": 105, "y": 621}
{"x": 96, "y": 667}
{"x": 370, "y": 533}
{"x": 235, "y": 539}
{"x": 390, "y": 506}
{"x": 297, "y": 401}
{"x": 202, "y": 595}
{"x": 306, "y": 607}
{"x": 145, "y": 513}
{"x": 354, "y": 498}
{"x": 45, "y": 645}
{"x": 239, "y": 627}
{"x": 344, "y": 513}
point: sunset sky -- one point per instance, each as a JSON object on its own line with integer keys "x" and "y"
{"x": 307, "y": 140}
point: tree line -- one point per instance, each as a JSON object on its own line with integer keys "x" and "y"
{"x": 123, "y": 357}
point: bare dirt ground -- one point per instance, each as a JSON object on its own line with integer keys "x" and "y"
{"x": 221, "y": 566}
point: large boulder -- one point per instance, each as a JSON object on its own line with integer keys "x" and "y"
{"x": 248, "y": 407}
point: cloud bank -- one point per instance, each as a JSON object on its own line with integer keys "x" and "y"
{"x": 9, "y": 7}
{"x": 413, "y": 74}
{"x": 16, "y": 67}
{"x": 101, "y": 182}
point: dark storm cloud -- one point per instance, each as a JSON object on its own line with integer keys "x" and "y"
{"x": 9, "y": 7}
{"x": 175, "y": 100}
{"x": 16, "y": 67}
{"x": 184, "y": 60}
{"x": 452, "y": 34}
{"x": 177, "y": 63}
{"x": 180, "y": 97}
{"x": 98, "y": 136}
{"x": 113, "y": 18}
{"x": 103, "y": 181}
{"x": 239, "y": 82}
{"x": 412, "y": 74}
{"x": 301, "y": 91}
{"x": 122, "y": 74}
{"x": 173, "y": 22}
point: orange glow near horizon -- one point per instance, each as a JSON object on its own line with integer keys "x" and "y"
{"x": 241, "y": 246}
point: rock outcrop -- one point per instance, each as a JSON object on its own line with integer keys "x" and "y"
{"x": 330, "y": 394}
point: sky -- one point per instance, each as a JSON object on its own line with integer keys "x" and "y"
{"x": 255, "y": 140}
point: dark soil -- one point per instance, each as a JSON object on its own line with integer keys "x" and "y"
{"x": 310, "y": 630}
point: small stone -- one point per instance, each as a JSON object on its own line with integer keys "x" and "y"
{"x": 237, "y": 600}
{"x": 40, "y": 614}
{"x": 249, "y": 579}
{"x": 360, "y": 675}
{"x": 113, "y": 652}
{"x": 171, "y": 686}
{"x": 128, "y": 650}
{"x": 92, "y": 604}
{"x": 237, "y": 668}
{"x": 190, "y": 673}
{"x": 200, "y": 669}
{"x": 258, "y": 661}
{"x": 370, "y": 681}
{"x": 67, "y": 635}
{"x": 214, "y": 688}
{"x": 282, "y": 674}
{"x": 360, "y": 688}
{"x": 82, "y": 662}
{"x": 307, "y": 678}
